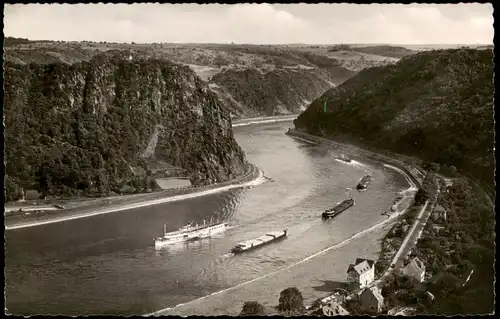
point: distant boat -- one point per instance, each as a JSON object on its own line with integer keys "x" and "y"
{"x": 188, "y": 232}
{"x": 258, "y": 242}
{"x": 269, "y": 179}
{"x": 344, "y": 158}
{"x": 364, "y": 182}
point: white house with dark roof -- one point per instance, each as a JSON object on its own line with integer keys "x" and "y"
{"x": 415, "y": 268}
{"x": 362, "y": 272}
{"x": 371, "y": 299}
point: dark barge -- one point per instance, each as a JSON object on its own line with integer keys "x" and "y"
{"x": 364, "y": 182}
{"x": 339, "y": 208}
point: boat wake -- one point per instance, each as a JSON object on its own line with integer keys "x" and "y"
{"x": 225, "y": 256}
{"x": 351, "y": 163}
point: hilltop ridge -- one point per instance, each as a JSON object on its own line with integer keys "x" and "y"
{"x": 251, "y": 80}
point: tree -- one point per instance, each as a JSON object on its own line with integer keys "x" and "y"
{"x": 316, "y": 304}
{"x": 291, "y": 301}
{"x": 252, "y": 308}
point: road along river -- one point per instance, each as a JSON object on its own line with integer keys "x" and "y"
{"x": 106, "y": 264}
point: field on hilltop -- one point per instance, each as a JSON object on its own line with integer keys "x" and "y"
{"x": 252, "y": 80}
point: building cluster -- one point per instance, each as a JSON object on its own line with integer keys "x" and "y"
{"x": 361, "y": 277}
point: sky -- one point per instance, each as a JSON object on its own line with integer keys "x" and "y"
{"x": 254, "y": 23}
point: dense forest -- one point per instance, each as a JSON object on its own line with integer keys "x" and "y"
{"x": 436, "y": 105}
{"x": 88, "y": 128}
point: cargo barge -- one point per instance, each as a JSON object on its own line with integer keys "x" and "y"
{"x": 339, "y": 208}
{"x": 364, "y": 182}
{"x": 258, "y": 242}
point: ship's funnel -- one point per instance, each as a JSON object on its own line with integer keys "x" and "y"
{"x": 347, "y": 193}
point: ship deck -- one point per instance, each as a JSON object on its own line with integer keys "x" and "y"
{"x": 194, "y": 229}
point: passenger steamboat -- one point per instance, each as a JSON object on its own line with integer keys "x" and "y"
{"x": 188, "y": 232}
{"x": 258, "y": 242}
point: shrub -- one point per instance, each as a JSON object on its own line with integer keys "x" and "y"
{"x": 252, "y": 308}
{"x": 291, "y": 301}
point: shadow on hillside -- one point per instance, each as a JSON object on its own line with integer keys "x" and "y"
{"x": 331, "y": 286}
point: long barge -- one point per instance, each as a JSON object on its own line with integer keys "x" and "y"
{"x": 258, "y": 242}
{"x": 364, "y": 182}
{"x": 339, "y": 208}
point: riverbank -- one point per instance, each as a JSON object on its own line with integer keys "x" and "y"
{"x": 81, "y": 208}
{"x": 262, "y": 120}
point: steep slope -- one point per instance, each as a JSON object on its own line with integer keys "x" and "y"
{"x": 87, "y": 128}
{"x": 281, "y": 91}
{"x": 437, "y": 105}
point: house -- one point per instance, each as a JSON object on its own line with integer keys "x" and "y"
{"x": 371, "y": 299}
{"x": 439, "y": 213}
{"x": 334, "y": 308}
{"x": 430, "y": 295}
{"x": 401, "y": 311}
{"x": 415, "y": 268}
{"x": 362, "y": 273}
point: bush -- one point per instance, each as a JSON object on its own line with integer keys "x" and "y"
{"x": 291, "y": 302}
{"x": 252, "y": 308}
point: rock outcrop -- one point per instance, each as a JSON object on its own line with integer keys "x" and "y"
{"x": 82, "y": 128}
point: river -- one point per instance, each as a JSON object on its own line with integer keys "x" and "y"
{"x": 106, "y": 264}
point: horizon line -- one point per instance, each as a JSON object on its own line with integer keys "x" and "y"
{"x": 266, "y": 44}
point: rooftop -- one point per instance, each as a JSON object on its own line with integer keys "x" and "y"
{"x": 361, "y": 266}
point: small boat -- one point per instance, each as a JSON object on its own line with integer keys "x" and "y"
{"x": 188, "y": 233}
{"x": 364, "y": 182}
{"x": 258, "y": 242}
{"x": 344, "y": 159}
{"x": 340, "y": 207}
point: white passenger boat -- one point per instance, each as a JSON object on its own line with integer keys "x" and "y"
{"x": 188, "y": 232}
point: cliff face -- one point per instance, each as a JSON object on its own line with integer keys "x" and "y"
{"x": 436, "y": 105}
{"x": 108, "y": 124}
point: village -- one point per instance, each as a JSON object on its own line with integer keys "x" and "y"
{"x": 367, "y": 289}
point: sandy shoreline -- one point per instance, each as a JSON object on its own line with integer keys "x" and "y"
{"x": 94, "y": 207}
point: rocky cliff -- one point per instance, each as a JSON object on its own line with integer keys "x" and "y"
{"x": 436, "y": 105}
{"x": 106, "y": 125}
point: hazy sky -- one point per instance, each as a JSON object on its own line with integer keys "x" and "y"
{"x": 254, "y": 23}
